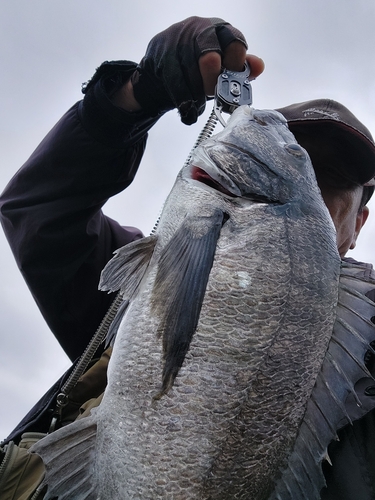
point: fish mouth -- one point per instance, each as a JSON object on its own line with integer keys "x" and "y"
{"x": 204, "y": 170}
{"x": 200, "y": 175}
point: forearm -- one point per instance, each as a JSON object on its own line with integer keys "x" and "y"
{"x": 51, "y": 211}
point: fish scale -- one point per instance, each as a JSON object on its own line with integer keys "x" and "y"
{"x": 221, "y": 384}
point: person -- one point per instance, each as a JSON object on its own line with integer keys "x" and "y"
{"x": 61, "y": 240}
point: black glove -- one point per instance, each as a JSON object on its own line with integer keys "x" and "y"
{"x": 168, "y": 76}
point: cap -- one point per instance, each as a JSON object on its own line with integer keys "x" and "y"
{"x": 341, "y": 148}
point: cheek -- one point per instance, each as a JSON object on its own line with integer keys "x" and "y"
{"x": 343, "y": 207}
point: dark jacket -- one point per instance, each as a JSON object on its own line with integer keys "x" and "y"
{"x": 51, "y": 214}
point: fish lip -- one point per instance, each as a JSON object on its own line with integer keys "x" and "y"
{"x": 200, "y": 175}
{"x": 202, "y": 169}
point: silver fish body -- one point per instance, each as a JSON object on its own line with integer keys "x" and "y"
{"x": 232, "y": 307}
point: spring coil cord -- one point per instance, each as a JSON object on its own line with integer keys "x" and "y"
{"x": 84, "y": 361}
{"x": 102, "y": 331}
{"x": 205, "y": 133}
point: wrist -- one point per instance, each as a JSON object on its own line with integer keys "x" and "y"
{"x": 124, "y": 98}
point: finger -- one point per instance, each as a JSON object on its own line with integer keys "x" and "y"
{"x": 234, "y": 56}
{"x": 210, "y": 67}
{"x": 256, "y": 65}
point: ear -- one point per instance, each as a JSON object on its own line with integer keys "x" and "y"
{"x": 359, "y": 223}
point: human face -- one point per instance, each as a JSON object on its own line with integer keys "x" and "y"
{"x": 343, "y": 205}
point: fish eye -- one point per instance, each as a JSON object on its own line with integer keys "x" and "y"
{"x": 295, "y": 150}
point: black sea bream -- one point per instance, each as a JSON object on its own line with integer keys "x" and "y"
{"x": 239, "y": 347}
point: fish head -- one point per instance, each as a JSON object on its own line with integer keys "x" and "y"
{"x": 256, "y": 157}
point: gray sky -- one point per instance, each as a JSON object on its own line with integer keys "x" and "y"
{"x": 48, "y": 48}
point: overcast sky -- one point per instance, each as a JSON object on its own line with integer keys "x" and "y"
{"x": 323, "y": 48}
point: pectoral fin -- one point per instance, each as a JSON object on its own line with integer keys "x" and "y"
{"x": 180, "y": 285}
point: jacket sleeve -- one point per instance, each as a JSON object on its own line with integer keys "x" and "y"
{"x": 51, "y": 209}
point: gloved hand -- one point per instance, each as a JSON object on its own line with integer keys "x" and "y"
{"x": 169, "y": 74}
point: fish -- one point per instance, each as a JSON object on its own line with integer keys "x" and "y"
{"x": 236, "y": 359}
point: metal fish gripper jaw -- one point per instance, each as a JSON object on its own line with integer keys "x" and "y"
{"x": 233, "y": 89}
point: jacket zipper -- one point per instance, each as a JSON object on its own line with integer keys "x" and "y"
{"x": 5, "y": 463}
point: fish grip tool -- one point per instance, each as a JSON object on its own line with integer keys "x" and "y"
{"x": 233, "y": 89}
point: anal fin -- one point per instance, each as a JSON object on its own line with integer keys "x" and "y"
{"x": 69, "y": 458}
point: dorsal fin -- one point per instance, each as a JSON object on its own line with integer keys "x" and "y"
{"x": 335, "y": 399}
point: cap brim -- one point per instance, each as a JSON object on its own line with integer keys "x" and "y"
{"x": 346, "y": 150}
